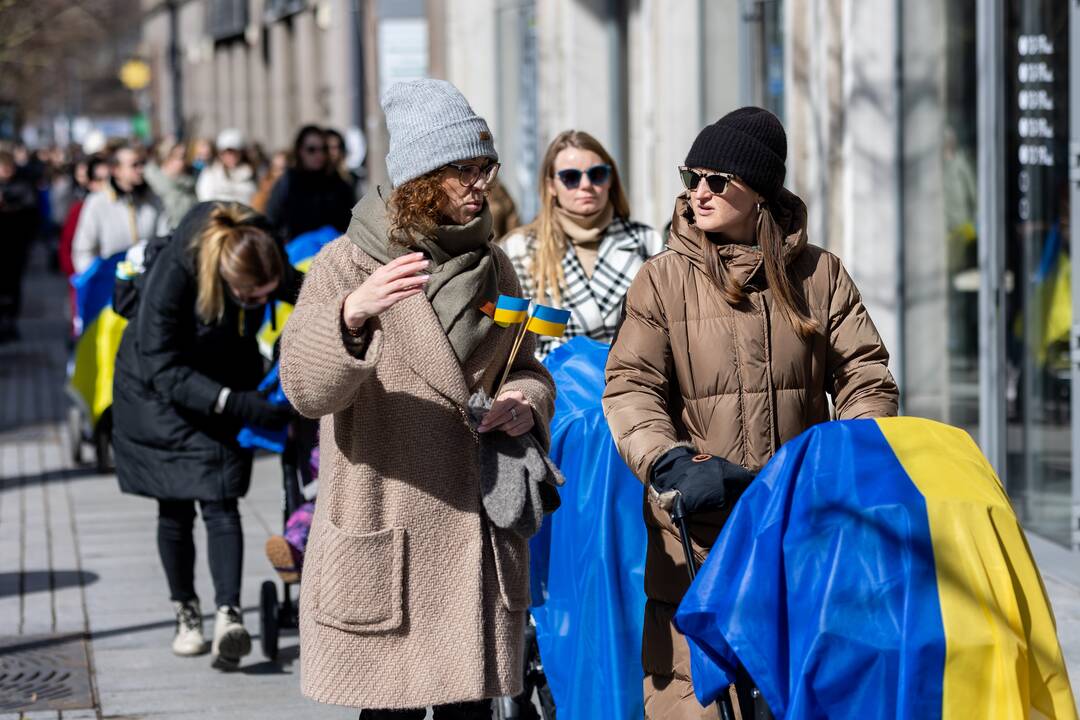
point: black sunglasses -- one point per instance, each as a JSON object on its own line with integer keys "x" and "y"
{"x": 598, "y": 175}
{"x": 717, "y": 182}
{"x": 469, "y": 175}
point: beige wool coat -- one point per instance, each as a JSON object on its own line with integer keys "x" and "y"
{"x": 687, "y": 368}
{"x": 410, "y": 598}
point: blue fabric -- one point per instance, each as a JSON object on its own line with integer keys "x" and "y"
{"x": 94, "y": 287}
{"x": 256, "y": 437}
{"x": 588, "y": 561}
{"x": 822, "y": 584}
{"x": 306, "y": 246}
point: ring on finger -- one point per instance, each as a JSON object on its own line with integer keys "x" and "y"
{"x": 513, "y": 414}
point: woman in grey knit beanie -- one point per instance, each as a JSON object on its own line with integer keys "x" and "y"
{"x": 412, "y": 596}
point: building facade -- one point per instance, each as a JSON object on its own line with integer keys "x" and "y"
{"x": 931, "y": 140}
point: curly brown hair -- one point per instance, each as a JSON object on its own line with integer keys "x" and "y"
{"x": 415, "y": 207}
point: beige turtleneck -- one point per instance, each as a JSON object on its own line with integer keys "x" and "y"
{"x": 585, "y": 233}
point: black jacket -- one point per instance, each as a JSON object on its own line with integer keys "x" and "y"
{"x": 171, "y": 367}
{"x": 303, "y": 201}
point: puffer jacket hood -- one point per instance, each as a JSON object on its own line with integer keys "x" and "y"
{"x": 742, "y": 261}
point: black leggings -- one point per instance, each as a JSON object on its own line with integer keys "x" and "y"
{"x": 479, "y": 710}
{"x": 224, "y": 541}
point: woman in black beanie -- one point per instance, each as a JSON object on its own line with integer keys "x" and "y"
{"x": 733, "y": 342}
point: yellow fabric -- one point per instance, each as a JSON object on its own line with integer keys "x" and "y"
{"x": 1057, "y": 308}
{"x": 267, "y": 334}
{"x": 1002, "y": 658}
{"x": 95, "y": 362}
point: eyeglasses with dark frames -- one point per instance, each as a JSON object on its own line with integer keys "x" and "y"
{"x": 717, "y": 181}
{"x": 469, "y": 175}
{"x": 597, "y": 174}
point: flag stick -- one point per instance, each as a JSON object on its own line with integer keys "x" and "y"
{"x": 513, "y": 356}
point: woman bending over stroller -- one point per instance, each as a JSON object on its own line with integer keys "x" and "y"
{"x": 186, "y": 374}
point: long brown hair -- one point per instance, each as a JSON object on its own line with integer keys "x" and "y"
{"x": 232, "y": 247}
{"x": 415, "y": 207}
{"x": 545, "y": 264}
{"x": 770, "y": 238}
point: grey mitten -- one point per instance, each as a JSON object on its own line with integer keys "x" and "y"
{"x": 518, "y": 481}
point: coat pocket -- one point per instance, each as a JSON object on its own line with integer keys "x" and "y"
{"x": 361, "y": 583}
{"x": 511, "y": 553}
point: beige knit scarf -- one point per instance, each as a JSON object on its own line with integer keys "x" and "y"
{"x": 463, "y": 271}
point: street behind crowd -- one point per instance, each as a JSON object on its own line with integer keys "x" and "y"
{"x": 77, "y": 558}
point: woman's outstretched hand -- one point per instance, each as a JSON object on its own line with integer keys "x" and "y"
{"x": 390, "y": 284}
{"x": 510, "y": 413}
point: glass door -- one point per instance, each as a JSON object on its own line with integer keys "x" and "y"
{"x": 1038, "y": 374}
{"x": 1074, "y": 208}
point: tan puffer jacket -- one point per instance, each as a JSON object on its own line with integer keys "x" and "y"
{"x": 688, "y": 368}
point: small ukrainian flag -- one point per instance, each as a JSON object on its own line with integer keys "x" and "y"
{"x": 548, "y": 321}
{"x": 510, "y": 310}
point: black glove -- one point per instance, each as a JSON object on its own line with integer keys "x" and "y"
{"x": 251, "y": 407}
{"x": 706, "y": 482}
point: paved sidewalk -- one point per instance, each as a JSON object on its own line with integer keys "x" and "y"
{"x": 78, "y": 560}
{"x": 77, "y": 556}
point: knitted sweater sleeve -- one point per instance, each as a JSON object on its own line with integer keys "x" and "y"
{"x": 319, "y": 374}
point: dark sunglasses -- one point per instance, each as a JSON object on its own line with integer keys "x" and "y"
{"x": 469, "y": 175}
{"x": 717, "y": 182}
{"x": 597, "y": 174}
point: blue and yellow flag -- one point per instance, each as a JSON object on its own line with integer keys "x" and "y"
{"x": 548, "y": 321}
{"x": 875, "y": 569}
{"x": 510, "y": 310}
{"x": 100, "y": 330}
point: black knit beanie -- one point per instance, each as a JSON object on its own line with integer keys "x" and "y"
{"x": 749, "y": 142}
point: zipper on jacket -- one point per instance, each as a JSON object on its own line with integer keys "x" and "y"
{"x": 738, "y": 377}
{"x": 770, "y": 389}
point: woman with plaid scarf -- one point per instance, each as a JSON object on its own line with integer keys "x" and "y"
{"x": 582, "y": 250}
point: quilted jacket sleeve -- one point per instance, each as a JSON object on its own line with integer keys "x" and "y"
{"x": 857, "y": 361}
{"x": 638, "y": 373}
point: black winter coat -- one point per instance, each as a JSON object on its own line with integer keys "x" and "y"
{"x": 302, "y": 201}
{"x": 170, "y": 369}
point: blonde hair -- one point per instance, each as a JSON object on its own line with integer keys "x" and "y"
{"x": 770, "y": 238}
{"x": 232, "y": 247}
{"x": 545, "y": 263}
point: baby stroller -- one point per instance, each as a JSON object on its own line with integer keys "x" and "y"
{"x": 280, "y": 611}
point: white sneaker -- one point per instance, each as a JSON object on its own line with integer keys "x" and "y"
{"x": 189, "y": 631}
{"x": 231, "y": 640}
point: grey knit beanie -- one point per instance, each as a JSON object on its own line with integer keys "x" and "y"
{"x": 431, "y": 124}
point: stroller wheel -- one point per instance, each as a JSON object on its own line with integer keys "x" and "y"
{"x": 268, "y": 619}
{"x": 103, "y": 455}
{"x": 75, "y": 434}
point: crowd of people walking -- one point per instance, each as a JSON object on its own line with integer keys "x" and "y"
{"x": 729, "y": 336}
